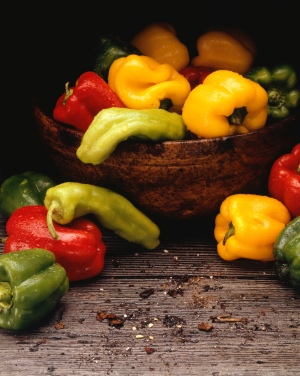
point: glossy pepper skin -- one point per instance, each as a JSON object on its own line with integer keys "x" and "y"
{"x": 114, "y": 125}
{"x": 232, "y": 50}
{"x": 27, "y": 188}
{"x": 70, "y": 200}
{"x": 286, "y": 252}
{"x": 80, "y": 103}
{"x": 225, "y": 104}
{"x": 106, "y": 50}
{"x": 280, "y": 83}
{"x": 160, "y": 42}
{"x": 248, "y": 225}
{"x": 284, "y": 180}
{"x": 79, "y": 247}
{"x": 31, "y": 284}
{"x": 143, "y": 83}
{"x": 195, "y": 75}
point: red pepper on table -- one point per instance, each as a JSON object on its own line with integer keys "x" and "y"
{"x": 196, "y": 75}
{"x": 79, "y": 248}
{"x": 80, "y": 103}
{"x": 284, "y": 180}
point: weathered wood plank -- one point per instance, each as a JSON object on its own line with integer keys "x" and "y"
{"x": 163, "y": 297}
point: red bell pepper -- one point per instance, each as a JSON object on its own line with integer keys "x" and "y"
{"x": 79, "y": 248}
{"x": 196, "y": 75}
{"x": 284, "y": 180}
{"x": 79, "y": 104}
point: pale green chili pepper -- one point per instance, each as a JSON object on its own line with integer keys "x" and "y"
{"x": 114, "y": 125}
{"x": 70, "y": 200}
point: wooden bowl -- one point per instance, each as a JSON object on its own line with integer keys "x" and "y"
{"x": 174, "y": 180}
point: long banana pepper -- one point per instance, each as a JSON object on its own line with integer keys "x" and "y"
{"x": 70, "y": 200}
{"x": 225, "y": 104}
{"x": 143, "y": 83}
{"x": 114, "y": 125}
{"x": 248, "y": 225}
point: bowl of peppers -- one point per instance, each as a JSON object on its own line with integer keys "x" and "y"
{"x": 175, "y": 138}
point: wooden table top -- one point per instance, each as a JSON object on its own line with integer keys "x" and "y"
{"x": 183, "y": 311}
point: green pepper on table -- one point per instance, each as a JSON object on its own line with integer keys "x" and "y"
{"x": 27, "y": 188}
{"x": 31, "y": 284}
{"x": 287, "y": 254}
{"x": 280, "y": 84}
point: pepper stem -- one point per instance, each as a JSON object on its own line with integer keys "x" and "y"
{"x": 238, "y": 116}
{"x": 166, "y": 104}
{"x": 230, "y": 232}
{"x": 5, "y": 295}
{"x": 52, "y": 207}
{"x": 69, "y": 92}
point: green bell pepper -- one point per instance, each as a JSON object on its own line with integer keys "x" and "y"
{"x": 107, "y": 50}
{"x": 27, "y": 188}
{"x": 280, "y": 85}
{"x": 31, "y": 284}
{"x": 287, "y": 254}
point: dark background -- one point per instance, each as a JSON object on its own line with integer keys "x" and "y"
{"x": 49, "y": 44}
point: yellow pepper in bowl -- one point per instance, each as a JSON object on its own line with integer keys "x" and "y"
{"x": 232, "y": 49}
{"x": 143, "y": 83}
{"x": 225, "y": 104}
{"x": 248, "y": 225}
{"x": 159, "y": 41}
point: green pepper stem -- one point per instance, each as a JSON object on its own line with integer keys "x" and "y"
{"x": 238, "y": 116}
{"x": 69, "y": 92}
{"x": 54, "y": 204}
{"x": 230, "y": 232}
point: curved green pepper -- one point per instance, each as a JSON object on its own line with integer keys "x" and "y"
{"x": 70, "y": 200}
{"x": 27, "y": 188}
{"x": 287, "y": 254}
{"x": 31, "y": 284}
{"x": 107, "y": 50}
{"x": 114, "y": 125}
{"x": 280, "y": 85}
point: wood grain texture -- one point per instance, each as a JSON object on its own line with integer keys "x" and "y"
{"x": 165, "y": 297}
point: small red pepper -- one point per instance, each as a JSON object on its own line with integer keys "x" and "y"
{"x": 79, "y": 104}
{"x": 79, "y": 248}
{"x": 284, "y": 180}
{"x": 196, "y": 75}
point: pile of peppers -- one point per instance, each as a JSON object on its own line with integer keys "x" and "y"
{"x": 51, "y": 241}
{"x": 217, "y": 92}
{"x": 153, "y": 90}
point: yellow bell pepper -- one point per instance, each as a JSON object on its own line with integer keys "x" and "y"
{"x": 248, "y": 225}
{"x": 233, "y": 50}
{"x": 225, "y": 104}
{"x": 159, "y": 41}
{"x": 143, "y": 83}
